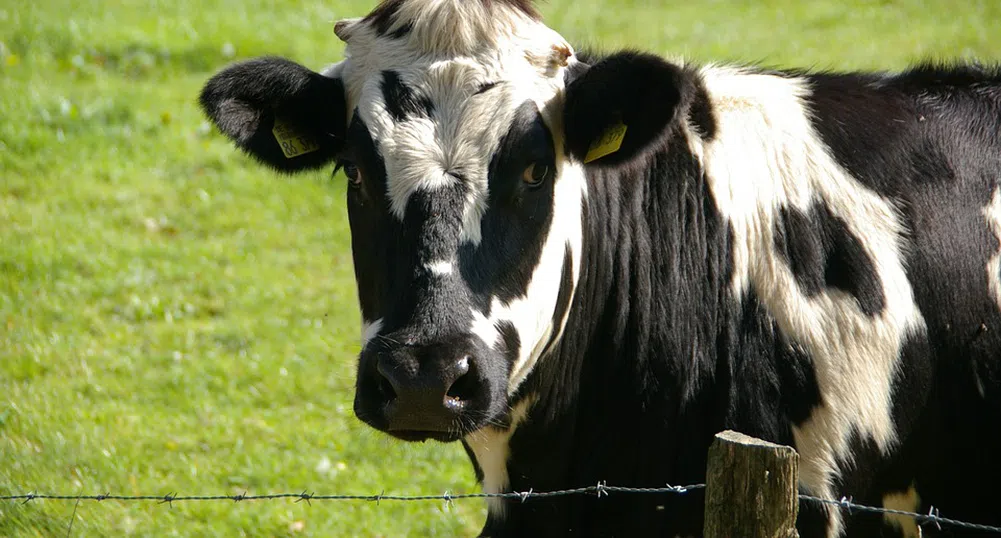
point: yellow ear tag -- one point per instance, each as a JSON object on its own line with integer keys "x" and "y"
{"x": 293, "y": 142}
{"x": 609, "y": 143}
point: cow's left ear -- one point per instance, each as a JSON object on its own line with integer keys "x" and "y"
{"x": 620, "y": 106}
{"x": 283, "y": 114}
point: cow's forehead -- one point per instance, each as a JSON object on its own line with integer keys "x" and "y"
{"x": 451, "y": 49}
{"x": 471, "y": 69}
{"x": 494, "y": 34}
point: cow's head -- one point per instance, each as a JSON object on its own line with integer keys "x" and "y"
{"x": 463, "y": 127}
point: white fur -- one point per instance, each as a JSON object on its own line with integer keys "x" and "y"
{"x": 767, "y": 156}
{"x": 441, "y": 268}
{"x": 369, "y": 330}
{"x": 484, "y": 328}
{"x": 908, "y": 501}
{"x": 490, "y": 448}
{"x": 993, "y": 214}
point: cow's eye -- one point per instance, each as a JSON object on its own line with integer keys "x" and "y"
{"x": 352, "y": 172}
{"x": 535, "y": 174}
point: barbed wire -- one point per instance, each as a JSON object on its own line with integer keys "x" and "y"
{"x": 932, "y": 516}
{"x": 601, "y": 489}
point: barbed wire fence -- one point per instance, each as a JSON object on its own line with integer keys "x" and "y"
{"x": 600, "y": 490}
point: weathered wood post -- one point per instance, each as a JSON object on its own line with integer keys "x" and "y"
{"x": 751, "y": 489}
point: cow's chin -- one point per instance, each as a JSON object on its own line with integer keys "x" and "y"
{"x": 420, "y": 425}
{"x": 419, "y": 436}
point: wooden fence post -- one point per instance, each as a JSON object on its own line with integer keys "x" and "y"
{"x": 751, "y": 488}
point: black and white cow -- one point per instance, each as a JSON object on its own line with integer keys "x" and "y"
{"x": 584, "y": 267}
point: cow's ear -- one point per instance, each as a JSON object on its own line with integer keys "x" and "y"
{"x": 620, "y": 106}
{"x": 281, "y": 113}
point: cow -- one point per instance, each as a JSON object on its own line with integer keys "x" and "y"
{"x": 584, "y": 265}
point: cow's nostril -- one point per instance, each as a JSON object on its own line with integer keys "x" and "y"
{"x": 463, "y": 389}
{"x": 386, "y": 388}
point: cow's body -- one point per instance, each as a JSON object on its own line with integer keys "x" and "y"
{"x": 813, "y": 259}
{"x": 752, "y": 291}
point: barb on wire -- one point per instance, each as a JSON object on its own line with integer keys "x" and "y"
{"x": 932, "y": 516}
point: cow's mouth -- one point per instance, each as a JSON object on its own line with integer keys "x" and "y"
{"x": 415, "y": 436}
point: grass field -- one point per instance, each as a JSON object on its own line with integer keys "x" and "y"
{"x": 173, "y": 318}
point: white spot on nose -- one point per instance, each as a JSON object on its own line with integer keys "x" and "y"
{"x": 369, "y": 330}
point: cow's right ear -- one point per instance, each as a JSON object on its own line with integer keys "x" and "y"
{"x": 284, "y": 115}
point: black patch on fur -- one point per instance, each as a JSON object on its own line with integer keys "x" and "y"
{"x": 512, "y": 342}
{"x": 400, "y": 99}
{"x": 517, "y": 221}
{"x": 800, "y": 393}
{"x": 798, "y": 240}
{"x": 892, "y": 131}
{"x": 485, "y": 87}
{"x": 245, "y": 98}
{"x": 823, "y": 252}
{"x": 785, "y": 389}
{"x": 402, "y": 31}
{"x": 383, "y": 17}
{"x": 701, "y": 115}
{"x": 374, "y": 231}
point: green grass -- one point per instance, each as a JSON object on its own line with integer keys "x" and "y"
{"x": 173, "y": 318}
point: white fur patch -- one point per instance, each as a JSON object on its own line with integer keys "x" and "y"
{"x": 441, "y": 268}
{"x": 370, "y": 330}
{"x": 907, "y": 501}
{"x": 490, "y": 448}
{"x": 484, "y": 328}
{"x": 993, "y": 214}
{"x": 766, "y": 156}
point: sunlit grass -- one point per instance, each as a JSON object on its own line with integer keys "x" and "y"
{"x": 175, "y": 319}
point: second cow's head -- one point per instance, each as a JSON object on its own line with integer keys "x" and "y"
{"x": 463, "y": 127}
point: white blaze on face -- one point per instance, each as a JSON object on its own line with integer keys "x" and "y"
{"x": 767, "y": 156}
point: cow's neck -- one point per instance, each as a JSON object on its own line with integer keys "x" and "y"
{"x": 618, "y": 399}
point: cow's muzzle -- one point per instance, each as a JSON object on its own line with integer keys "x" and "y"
{"x": 417, "y": 392}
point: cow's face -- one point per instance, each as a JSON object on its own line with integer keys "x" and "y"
{"x": 449, "y": 119}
